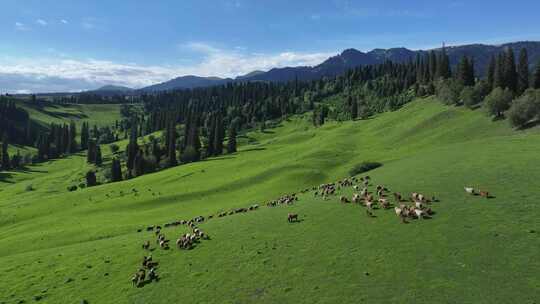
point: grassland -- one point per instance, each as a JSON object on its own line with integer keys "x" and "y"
{"x": 66, "y": 247}
{"x": 95, "y": 114}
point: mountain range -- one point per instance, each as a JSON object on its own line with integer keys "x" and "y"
{"x": 348, "y": 59}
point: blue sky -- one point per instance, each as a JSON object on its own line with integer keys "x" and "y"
{"x": 62, "y": 45}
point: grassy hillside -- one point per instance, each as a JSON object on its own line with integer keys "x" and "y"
{"x": 65, "y": 247}
{"x": 94, "y": 114}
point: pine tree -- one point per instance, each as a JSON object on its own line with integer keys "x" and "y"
{"x": 465, "y": 72}
{"x": 536, "y": 81}
{"x": 91, "y": 152}
{"x": 91, "y": 179}
{"x": 72, "y": 141}
{"x": 354, "y": 109}
{"x": 231, "y": 143}
{"x": 98, "y": 159}
{"x": 499, "y": 79}
{"x": 6, "y": 164}
{"x": 523, "y": 71}
{"x": 116, "y": 170}
{"x": 132, "y": 147}
{"x": 510, "y": 74}
{"x": 85, "y": 136}
{"x": 219, "y": 134}
{"x": 171, "y": 153}
{"x": 491, "y": 73}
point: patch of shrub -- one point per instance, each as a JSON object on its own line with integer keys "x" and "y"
{"x": 448, "y": 91}
{"x": 498, "y": 101}
{"x": 524, "y": 109}
{"x": 364, "y": 167}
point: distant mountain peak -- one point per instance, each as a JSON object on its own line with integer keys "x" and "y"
{"x": 114, "y": 88}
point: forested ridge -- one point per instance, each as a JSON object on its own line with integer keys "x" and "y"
{"x": 204, "y": 122}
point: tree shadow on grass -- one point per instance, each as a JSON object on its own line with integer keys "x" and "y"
{"x": 254, "y": 149}
{"x": 218, "y": 158}
{"x": 528, "y": 125}
{"x": 4, "y": 176}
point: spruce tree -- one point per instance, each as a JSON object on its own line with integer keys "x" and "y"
{"x": 91, "y": 179}
{"x": 72, "y": 140}
{"x": 499, "y": 79}
{"x": 6, "y": 164}
{"x": 98, "y": 159}
{"x": 523, "y": 71}
{"x": 171, "y": 153}
{"x": 219, "y": 134}
{"x": 116, "y": 170}
{"x": 132, "y": 147}
{"x": 231, "y": 143}
{"x": 536, "y": 81}
{"x": 491, "y": 73}
{"x": 91, "y": 152}
{"x": 354, "y": 109}
{"x": 85, "y": 136}
{"x": 510, "y": 74}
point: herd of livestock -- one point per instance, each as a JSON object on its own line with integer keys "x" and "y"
{"x": 416, "y": 206}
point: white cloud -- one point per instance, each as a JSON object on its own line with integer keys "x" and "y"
{"x": 64, "y": 21}
{"x": 61, "y": 74}
{"x": 19, "y": 26}
{"x": 42, "y": 22}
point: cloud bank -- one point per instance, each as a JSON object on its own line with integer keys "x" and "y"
{"x": 69, "y": 75}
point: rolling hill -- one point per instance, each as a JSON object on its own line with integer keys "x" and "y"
{"x": 59, "y": 246}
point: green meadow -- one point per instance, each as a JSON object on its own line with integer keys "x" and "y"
{"x": 65, "y": 247}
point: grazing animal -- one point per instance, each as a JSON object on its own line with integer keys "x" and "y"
{"x": 146, "y": 245}
{"x": 384, "y": 203}
{"x": 343, "y": 199}
{"x": 398, "y": 197}
{"x": 484, "y": 194}
{"x": 292, "y": 217}
{"x": 356, "y": 198}
{"x": 469, "y": 190}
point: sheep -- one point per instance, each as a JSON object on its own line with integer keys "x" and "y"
{"x": 469, "y": 190}
{"x": 419, "y": 205}
{"x": 152, "y": 274}
{"x": 343, "y": 199}
{"x": 384, "y": 203}
{"x": 484, "y": 194}
{"x": 356, "y": 187}
{"x": 398, "y": 211}
{"x": 135, "y": 279}
{"x": 398, "y": 197}
{"x": 146, "y": 245}
{"x": 370, "y": 204}
{"x": 356, "y": 198}
{"x": 419, "y": 213}
{"x": 292, "y": 217}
